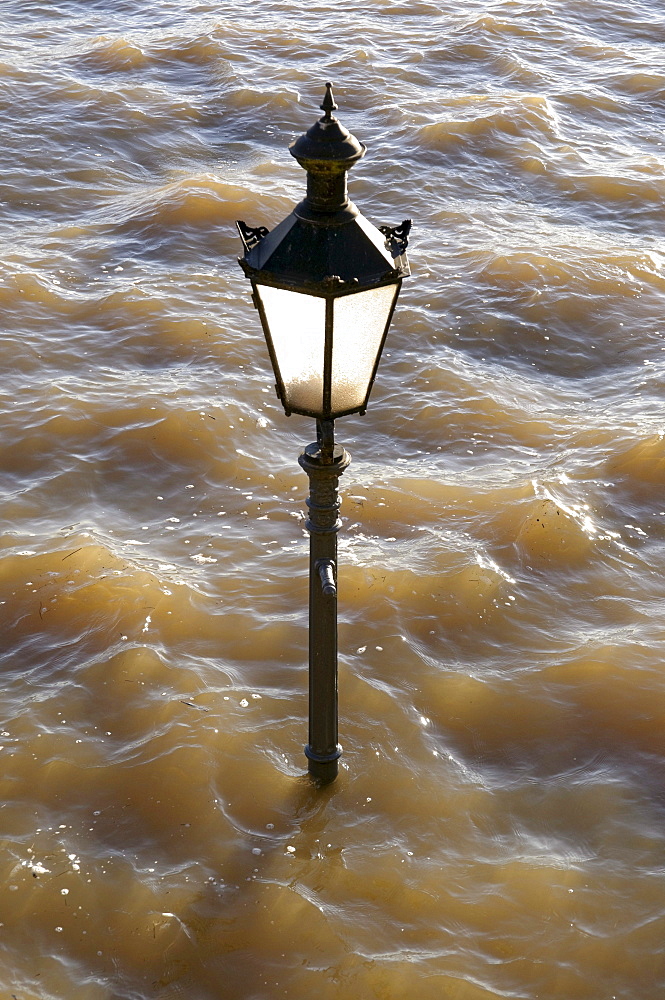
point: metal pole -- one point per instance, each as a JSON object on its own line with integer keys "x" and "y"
{"x": 324, "y": 462}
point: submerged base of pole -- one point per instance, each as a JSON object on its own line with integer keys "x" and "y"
{"x": 323, "y": 769}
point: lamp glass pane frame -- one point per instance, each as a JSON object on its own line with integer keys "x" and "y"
{"x": 321, "y": 305}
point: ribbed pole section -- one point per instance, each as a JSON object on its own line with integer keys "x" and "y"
{"x": 324, "y": 463}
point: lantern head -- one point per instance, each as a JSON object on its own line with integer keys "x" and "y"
{"x": 325, "y": 281}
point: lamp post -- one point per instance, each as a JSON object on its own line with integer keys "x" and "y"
{"x": 325, "y": 282}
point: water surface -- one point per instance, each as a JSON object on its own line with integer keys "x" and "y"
{"x": 497, "y": 826}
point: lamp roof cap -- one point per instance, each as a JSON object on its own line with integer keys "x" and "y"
{"x": 327, "y": 140}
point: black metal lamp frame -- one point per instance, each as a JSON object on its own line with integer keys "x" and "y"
{"x": 324, "y": 248}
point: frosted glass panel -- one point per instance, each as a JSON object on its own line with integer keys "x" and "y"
{"x": 359, "y": 324}
{"x": 297, "y": 325}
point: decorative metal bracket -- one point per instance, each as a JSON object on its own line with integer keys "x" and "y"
{"x": 251, "y": 237}
{"x": 397, "y": 238}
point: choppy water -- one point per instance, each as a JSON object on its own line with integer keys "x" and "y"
{"x": 497, "y": 827}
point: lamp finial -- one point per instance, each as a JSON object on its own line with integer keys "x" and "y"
{"x": 328, "y": 104}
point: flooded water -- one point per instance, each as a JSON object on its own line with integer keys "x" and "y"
{"x": 497, "y": 828}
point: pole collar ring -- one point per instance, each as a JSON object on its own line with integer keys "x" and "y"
{"x": 316, "y": 529}
{"x": 326, "y": 758}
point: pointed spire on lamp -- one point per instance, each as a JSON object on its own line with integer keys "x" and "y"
{"x": 328, "y": 104}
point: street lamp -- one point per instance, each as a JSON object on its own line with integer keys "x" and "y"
{"x": 325, "y": 282}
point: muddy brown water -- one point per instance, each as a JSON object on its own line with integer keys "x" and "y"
{"x": 497, "y": 827}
